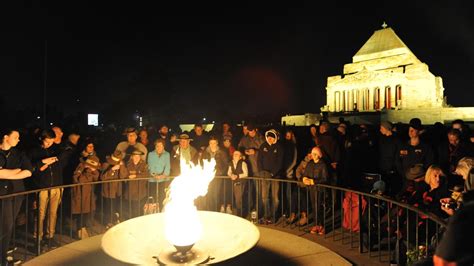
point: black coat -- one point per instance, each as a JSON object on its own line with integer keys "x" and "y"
{"x": 270, "y": 158}
{"x": 317, "y": 171}
{"x": 52, "y": 175}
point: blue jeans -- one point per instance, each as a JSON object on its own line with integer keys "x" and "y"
{"x": 274, "y": 185}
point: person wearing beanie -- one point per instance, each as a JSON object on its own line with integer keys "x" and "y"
{"x": 270, "y": 163}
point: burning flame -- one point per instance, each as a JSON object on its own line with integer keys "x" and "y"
{"x": 182, "y": 224}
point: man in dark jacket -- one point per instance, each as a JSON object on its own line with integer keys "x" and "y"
{"x": 270, "y": 162}
{"x": 47, "y": 173}
{"x": 449, "y": 154}
{"x": 14, "y": 167}
{"x": 330, "y": 149}
{"x": 388, "y": 148}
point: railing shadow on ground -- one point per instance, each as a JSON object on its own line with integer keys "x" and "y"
{"x": 378, "y": 227}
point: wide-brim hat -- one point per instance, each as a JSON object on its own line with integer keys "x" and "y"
{"x": 415, "y": 172}
{"x": 378, "y": 187}
{"x": 416, "y": 124}
{"x": 184, "y": 137}
{"x": 250, "y": 127}
{"x": 93, "y": 161}
{"x": 457, "y": 188}
{"x": 115, "y": 158}
{"x": 137, "y": 152}
{"x": 130, "y": 130}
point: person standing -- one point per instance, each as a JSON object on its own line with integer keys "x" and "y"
{"x": 126, "y": 147}
{"x": 412, "y": 153}
{"x": 112, "y": 169}
{"x": 136, "y": 191}
{"x": 83, "y": 197}
{"x": 160, "y": 168}
{"x": 316, "y": 172}
{"x": 237, "y": 171}
{"x": 14, "y": 168}
{"x": 200, "y": 138}
{"x": 183, "y": 152}
{"x": 290, "y": 156}
{"x": 270, "y": 163}
{"x": 218, "y": 195}
{"x": 388, "y": 147}
{"x": 249, "y": 146}
{"x": 449, "y": 154}
{"x": 163, "y": 133}
{"x": 47, "y": 173}
{"x": 144, "y": 139}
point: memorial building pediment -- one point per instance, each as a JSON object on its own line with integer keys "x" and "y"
{"x": 365, "y": 76}
{"x": 384, "y": 74}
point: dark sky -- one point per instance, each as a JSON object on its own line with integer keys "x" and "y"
{"x": 232, "y": 58}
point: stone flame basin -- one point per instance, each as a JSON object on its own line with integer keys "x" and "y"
{"x": 141, "y": 240}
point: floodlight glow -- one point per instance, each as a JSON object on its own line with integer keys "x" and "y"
{"x": 93, "y": 120}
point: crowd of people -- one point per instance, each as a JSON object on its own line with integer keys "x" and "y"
{"x": 417, "y": 164}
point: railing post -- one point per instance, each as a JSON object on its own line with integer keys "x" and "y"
{"x": 379, "y": 233}
{"x": 333, "y": 206}
{"x": 369, "y": 227}
{"x": 361, "y": 249}
{"x": 38, "y": 238}
{"x": 342, "y": 217}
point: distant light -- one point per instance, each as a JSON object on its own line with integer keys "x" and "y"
{"x": 93, "y": 120}
{"x": 38, "y": 117}
{"x": 204, "y": 119}
{"x": 213, "y": 122}
{"x": 50, "y": 124}
{"x": 77, "y": 100}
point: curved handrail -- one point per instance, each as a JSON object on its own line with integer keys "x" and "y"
{"x": 433, "y": 217}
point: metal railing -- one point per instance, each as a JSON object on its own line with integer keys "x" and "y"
{"x": 380, "y": 227}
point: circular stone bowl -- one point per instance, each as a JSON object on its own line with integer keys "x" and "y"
{"x": 139, "y": 240}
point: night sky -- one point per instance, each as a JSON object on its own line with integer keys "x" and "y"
{"x": 230, "y": 59}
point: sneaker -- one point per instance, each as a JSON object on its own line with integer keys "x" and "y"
{"x": 51, "y": 243}
{"x": 117, "y": 218}
{"x": 265, "y": 221}
{"x": 222, "y": 209}
{"x": 82, "y": 233}
{"x": 321, "y": 231}
{"x": 228, "y": 210}
{"x": 303, "y": 219}
{"x": 291, "y": 219}
{"x": 13, "y": 261}
{"x": 315, "y": 229}
{"x": 11, "y": 250}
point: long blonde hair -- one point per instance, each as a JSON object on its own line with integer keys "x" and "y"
{"x": 464, "y": 166}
